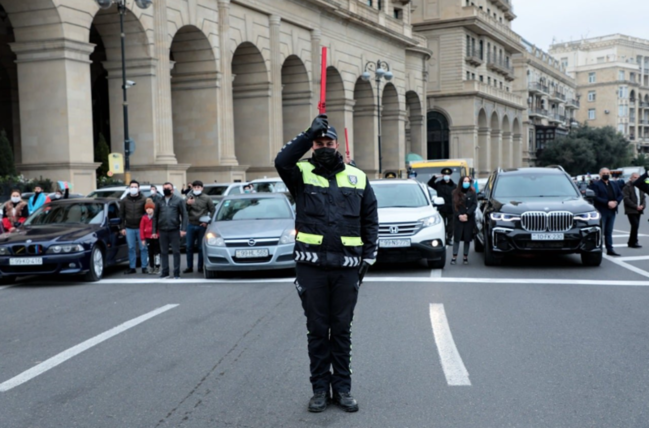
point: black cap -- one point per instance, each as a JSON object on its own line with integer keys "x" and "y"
{"x": 197, "y": 183}
{"x": 447, "y": 171}
{"x": 331, "y": 133}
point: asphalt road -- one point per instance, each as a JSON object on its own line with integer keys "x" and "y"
{"x": 538, "y": 342}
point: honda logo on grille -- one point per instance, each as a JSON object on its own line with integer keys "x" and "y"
{"x": 394, "y": 229}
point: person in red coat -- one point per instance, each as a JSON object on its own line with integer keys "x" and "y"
{"x": 15, "y": 212}
{"x": 153, "y": 245}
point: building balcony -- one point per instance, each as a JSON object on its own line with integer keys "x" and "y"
{"x": 643, "y": 104}
{"x": 490, "y": 92}
{"x": 558, "y": 96}
{"x": 572, "y": 103}
{"x": 556, "y": 118}
{"x": 538, "y": 112}
{"x": 473, "y": 58}
{"x": 644, "y": 122}
{"x": 501, "y": 67}
{"x": 538, "y": 88}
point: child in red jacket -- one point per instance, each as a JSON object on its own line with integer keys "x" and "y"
{"x": 153, "y": 245}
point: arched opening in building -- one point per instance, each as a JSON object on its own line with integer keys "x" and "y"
{"x": 365, "y": 127}
{"x": 100, "y": 100}
{"x": 414, "y": 124}
{"x": 392, "y": 130}
{"x": 496, "y": 142}
{"x": 296, "y": 97}
{"x": 9, "y": 103}
{"x": 251, "y": 94}
{"x": 483, "y": 143}
{"x": 194, "y": 99}
{"x": 438, "y": 136}
{"x": 335, "y": 103}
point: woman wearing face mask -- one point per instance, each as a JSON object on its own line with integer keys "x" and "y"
{"x": 15, "y": 212}
{"x": 465, "y": 203}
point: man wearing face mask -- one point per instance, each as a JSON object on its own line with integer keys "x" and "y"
{"x": 198, "y": 205}
{"x": 444, "y": 189}
{"x": 336, "y": 242}
{"x": 170, "y": 224}
{"x": 131, "y": 210}
{"x": 607, "y": 198}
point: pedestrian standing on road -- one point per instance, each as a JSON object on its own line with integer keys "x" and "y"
{"x": 169, "y": 225}
{"x": 607, "y": 198}
{"x": 634, "y": 204}
{"x": 131, "y": 210}
{"x": 37, "y": 200}
{"x": 336, "y": 242}
{"x": 465, "y": 203}
{"x": 146, "y": 232}
{"x": 444, "y": 189}
{"x": 155, "y": 196}
{"x": 198, "y": 205}
{"x": 15, "y": 212}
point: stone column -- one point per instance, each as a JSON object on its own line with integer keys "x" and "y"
{"x": 496, "y": 149}
{"x": 56, "y": 111}
{"x": 365, "y": 150}
{"x": 517, "y": 143}
{"x": 464, "y": 143}
{"x": 226, "y": 116}
{"x": 276, "y": 124}
{"x": 483, "y": 153}
{"x": 315, "y": 70}
{"x": 507, "y": 157}
{"x": 393, "y": 146}
{"x": 163, "y": 137}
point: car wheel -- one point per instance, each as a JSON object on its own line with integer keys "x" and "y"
{"x": 437, "y": 264}
{"x": 7, "y": 280}
{"x": 209, "y": 274}
{"x": 490, "y": 259}
{"x": 477, "y": 245}
{"x": 96, "y": 270}
{"x": 591, "y": 259}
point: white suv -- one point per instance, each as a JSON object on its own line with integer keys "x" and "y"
{"x": 410, "y": 228}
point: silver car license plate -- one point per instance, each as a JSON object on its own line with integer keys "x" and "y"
{"x": 394, "y": 243}
{"x": 547, "y": 237}
{"x": 251, "y": 254}
{"x": 26, "y": 261}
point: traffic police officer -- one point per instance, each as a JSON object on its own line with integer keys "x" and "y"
{"x": 336, "y": 242}
{"x": 445, "y": 188}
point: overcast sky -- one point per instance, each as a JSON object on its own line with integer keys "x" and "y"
{"x": 539, "y": 22}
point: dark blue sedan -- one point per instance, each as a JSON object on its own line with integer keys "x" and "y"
{"x": 67, "y": 237}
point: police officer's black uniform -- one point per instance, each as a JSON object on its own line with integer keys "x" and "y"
{"x": 337, "y": 235}
{"x": 445, "y": 190}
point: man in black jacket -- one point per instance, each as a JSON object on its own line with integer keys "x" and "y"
{"x": 131, "y": 210}
{"x": 170, "y": 224}
{"x": 336, "y": 242}
{"x": 198, "y": 205}
{"x": 444, "y": 189}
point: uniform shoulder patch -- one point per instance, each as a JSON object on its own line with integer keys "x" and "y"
{"x": 353, "y": 179}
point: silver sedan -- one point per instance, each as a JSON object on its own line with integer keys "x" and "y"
{"x": 250, "y": 232}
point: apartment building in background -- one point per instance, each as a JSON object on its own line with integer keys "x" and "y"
{"x": 612, "y": 74}
{"x": 551, "y": 95}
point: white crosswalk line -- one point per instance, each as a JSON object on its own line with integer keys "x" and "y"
{"x": 452, "y": 364}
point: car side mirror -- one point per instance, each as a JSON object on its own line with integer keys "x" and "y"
{"x": 115, "y": 221}
{"x": 437, "y": 201}
{"x": 205, "y": 219}
{"x": 482, "y": 196}
{"x": 590, "y": 194}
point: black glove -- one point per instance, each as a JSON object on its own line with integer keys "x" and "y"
{"x": 362, "y": 271}
{"x": 319, "y": 126}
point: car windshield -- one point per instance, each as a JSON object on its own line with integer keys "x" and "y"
{"x": 82, "y": 213}
{"x": 400, "y": 196}
{"x": 216, "y": 190}
{"x": 534, "y": 186}
{"x": 106, "y": 194}
{"x": 253, "y": 209}
{"x": 270, "y": 187}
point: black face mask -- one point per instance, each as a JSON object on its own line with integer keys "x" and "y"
{"x": 605, "y": 177}
{"x": 326, "y": 157}
{"x": 37, "y": 192}
{"x": 167, "y": 192}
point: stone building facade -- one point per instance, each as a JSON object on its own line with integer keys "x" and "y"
{"x": 221, "y": 84}
{"x": 612, "y": 74}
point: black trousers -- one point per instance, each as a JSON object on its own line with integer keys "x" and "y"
{"x": 328, "y": 298}
{"x": 634, "y": 220}
{"x": 170, "y": 237}
{"x": 448, "y": 224}
{"x": 153, "y": 245}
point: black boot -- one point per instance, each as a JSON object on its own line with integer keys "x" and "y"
{"x": 346, "y": 401}
{"x": 129, "y": 272}
{"x": 318, "y": 402}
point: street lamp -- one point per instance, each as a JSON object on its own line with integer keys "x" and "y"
{"x": 381, "y": 70}
{"x": 126, "y": 84}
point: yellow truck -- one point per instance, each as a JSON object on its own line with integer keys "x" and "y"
{"x": 425, "y": 169}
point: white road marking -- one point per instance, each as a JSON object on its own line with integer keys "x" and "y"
{"x": 452, "y": 364}
{"x": 436, "y": 273}
{"x": 633, "y": 258}
{"x": 76, "y": 350}
{"x": 627, "y": 266}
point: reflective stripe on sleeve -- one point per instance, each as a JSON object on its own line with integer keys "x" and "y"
{"x": 308, "y": 238}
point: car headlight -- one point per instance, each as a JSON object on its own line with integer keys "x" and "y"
{"x": 431, "y": 221}
{"x": 65, "y": 249}
{"x": 214, "y": 240}
{"x": 593, "y": 215}
{"x": 505, "y": 217}
{"x": 288, "y": 237}
{"x": 4, "y": 251}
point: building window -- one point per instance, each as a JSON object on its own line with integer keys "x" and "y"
{"x": 369, "y": 3}
{"x": 591, "y": 114}
{"x": 592, "y": 95}
{"x": 621, "y": 128}
{"x": 620, "y": 75}
{"x": 622, "y": 111}
{"x": 489, "y": 81}
{"x": 468, "y": 76}
{"x": 624, "y": 92}
{"x": 472, "y": 76}
{"x": 592, "y": 77}
{"x": 481, "y": 78}
{"x": 468, "y": 45}
{"x": 564, "y": 62}
{"x": 481, "y": 50}
{"x": 397, "y": 13}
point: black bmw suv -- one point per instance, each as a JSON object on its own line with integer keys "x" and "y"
{"x": 540, "y": 210}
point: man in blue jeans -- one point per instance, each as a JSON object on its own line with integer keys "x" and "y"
{"x": 131, "y": 210}
{"x": 198, "y": 205}
{"x": 607, "y": 198}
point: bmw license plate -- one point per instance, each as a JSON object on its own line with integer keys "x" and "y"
{"x": 547, "y": 237}
{"x": 251, "y": 254}
{"x": 26, "y": 261}
{"x": 394, "y": 243}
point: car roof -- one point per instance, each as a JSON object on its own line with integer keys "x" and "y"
{"x": 531, "y": 170}
{"x": 112, "y": 188}
{"x": 224, "y": 184}
{"x": 85, "y": 200}
{"x": 266, "y": 180}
